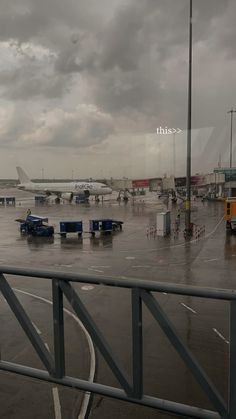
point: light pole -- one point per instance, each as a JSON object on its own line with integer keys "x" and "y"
{"x": 230, "y": 148}
{"x": 174, "y": 154}
{"x": 188, "y": 172}
{"x": 231, "y": 136}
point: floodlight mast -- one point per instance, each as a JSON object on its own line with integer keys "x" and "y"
{"x": 188, "y": 228}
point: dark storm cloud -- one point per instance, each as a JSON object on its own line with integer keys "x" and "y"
{"x": 143, "y": 62}
{"x": 148, "y": 26}
{"x": 29, "y": 19}
{"x": 83, "y": 128}
{"x": 225, "y": 31}
{"x": 138, "y": 39}
{"x": 17, "y": 86}
{"x": 134, "y": 60}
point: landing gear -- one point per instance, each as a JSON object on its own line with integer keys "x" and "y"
{"x": 125, "y": 195}
{"x": 97, "y": 198}
{"x": 57, "y": 200}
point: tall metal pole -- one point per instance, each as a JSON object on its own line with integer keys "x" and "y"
{"x": 188, "y": 173}
{"x": 174, "y": 154}
{"x": 231, "y": 136}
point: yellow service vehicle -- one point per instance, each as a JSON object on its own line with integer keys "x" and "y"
{"x": 230, "y": 213}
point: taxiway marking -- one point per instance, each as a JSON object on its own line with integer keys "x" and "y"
{"x": 100, "y": 266}
{"x": 36, "y": 328}
{"x": 56, "y": 401}
{"x": 45, "y": 343}
{"x": 85, "y": 403}
{"x": 55, "y": 394}
{"x": 220, "y": 336}
{"x": 188, "y": 308}
{"x": 87, "y": 287}
{"x": 95, "y": 270}
{"x": 140, "y": 266}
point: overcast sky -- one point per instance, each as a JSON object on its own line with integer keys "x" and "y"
{"x": 84, "y": 85}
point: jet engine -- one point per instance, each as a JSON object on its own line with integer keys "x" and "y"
{"x": 86, "y": 193}
{"x": 68, "y": 196}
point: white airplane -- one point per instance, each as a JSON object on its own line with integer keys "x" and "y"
{"x": 64, "y": 190}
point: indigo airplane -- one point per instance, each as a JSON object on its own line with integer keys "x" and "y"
{"x": 64, "y": 190}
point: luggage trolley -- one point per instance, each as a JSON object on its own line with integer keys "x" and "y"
{"x": 71, "y": 227}
{"x": 104, "y": 226}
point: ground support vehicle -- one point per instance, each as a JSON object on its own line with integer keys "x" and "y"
{"x": 230, "y": 214}
{"x": 34, "y": 225}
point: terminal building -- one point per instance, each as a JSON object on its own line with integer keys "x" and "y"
{"x": 220, "y": 183}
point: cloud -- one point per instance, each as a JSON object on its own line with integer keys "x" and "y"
{"x": 109, "y": 68}
{"x": 83, "y": 127}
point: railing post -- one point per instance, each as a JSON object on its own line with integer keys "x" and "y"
{"x": 137, "y": 344}
{"x": 58, "y": 328}
{"x": 232, "y": 362}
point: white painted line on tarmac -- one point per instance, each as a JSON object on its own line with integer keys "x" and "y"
{"x": 95, "y": 270}
{"x": 165, "y": 293}
{"x": 220, "y": 336}
{"x": 45, "y": 343}
{"x": 141, "y": 266}
{"x": 211, "y": 260}
{"x": 130, "y": 257}
{"x": 100, "y": 266}
{"x": 214, "y": 229}
{"x": 87, "y": 395}
{"x": 37, "y": 329}
{"x": 188, "y": 308}
{"x": 56, "y": 401}
{"x": 87, "y": 287}
{"x": 66, "y": 266}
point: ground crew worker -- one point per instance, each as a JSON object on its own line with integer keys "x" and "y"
{"x": 178, "y": 214}
{"x": 28, "y": 213}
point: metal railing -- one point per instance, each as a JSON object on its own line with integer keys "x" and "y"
{"x": 142, "y": 293}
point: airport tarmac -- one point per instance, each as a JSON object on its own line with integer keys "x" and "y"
{"x": 202, "y": 324}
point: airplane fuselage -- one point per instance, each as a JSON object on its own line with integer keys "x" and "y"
{"x": 90, "y": 188}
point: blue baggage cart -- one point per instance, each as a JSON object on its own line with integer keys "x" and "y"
{"x": 10, "y": 200}
{"x": 71, "y": 227}
{"x": 102, "y": 225}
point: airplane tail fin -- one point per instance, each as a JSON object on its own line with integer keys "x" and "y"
{"x": 23, "y": 178}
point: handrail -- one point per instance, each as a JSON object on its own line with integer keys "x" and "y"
{"x": 169, "y": 288}
{"x": 142, "y": 294}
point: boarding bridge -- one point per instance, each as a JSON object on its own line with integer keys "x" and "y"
{"x": 142, "y": 293}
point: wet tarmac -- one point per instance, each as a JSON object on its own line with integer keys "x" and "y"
{"x": 202, "y": 324}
